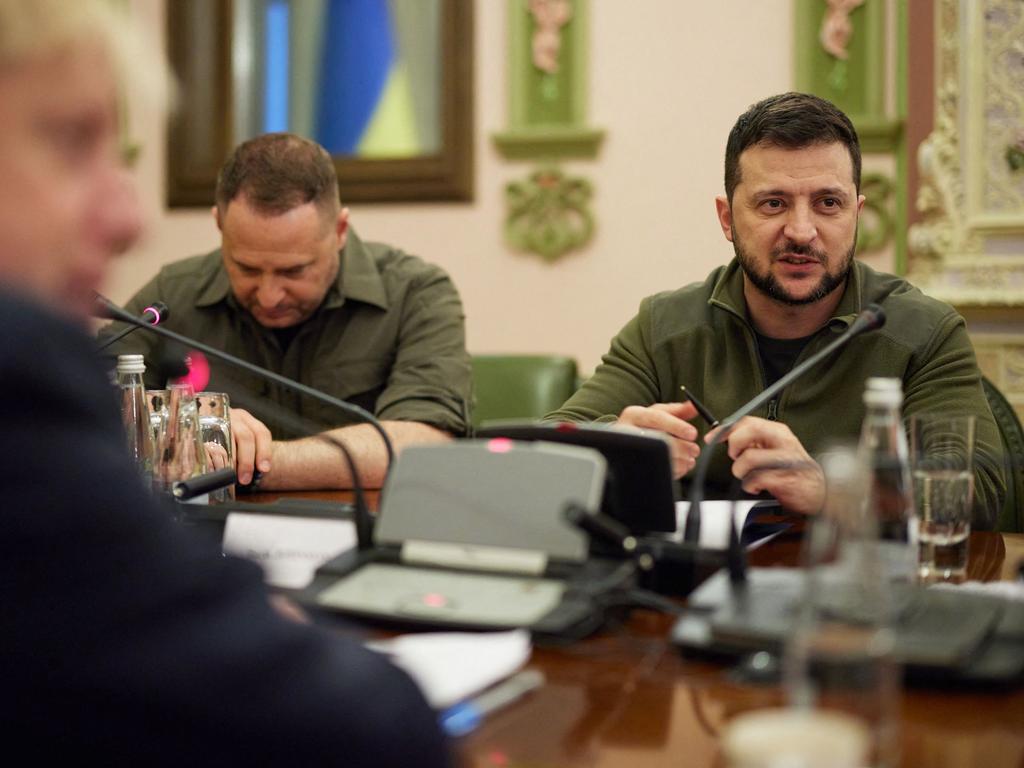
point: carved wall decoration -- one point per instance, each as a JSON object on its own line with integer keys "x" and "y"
{"x": 549, "y": 16}
{"x": 547, "y": 82}
{"x": 1001, "y": 359}
{"x": 876, "y": 221}
{"x": 969, "y": 248}
{"x": 843, "y": 53}
{"x": 549, "y": 213}
{"x": 836, "y": 31}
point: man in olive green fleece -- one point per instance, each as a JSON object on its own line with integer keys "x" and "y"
{"x": 792, "y": 202}
{"x": 293, "y": 289}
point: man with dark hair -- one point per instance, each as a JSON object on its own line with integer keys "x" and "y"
{"x": 293, "y": 289}
{"x": 125, "y": 640}
{"x": 792, "y": 203}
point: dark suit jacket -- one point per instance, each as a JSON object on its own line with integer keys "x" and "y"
{"x": 125, "y": 637}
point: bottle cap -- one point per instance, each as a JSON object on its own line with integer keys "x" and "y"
{"x": 883, "y": 391}
{"x": 130, "y": 364}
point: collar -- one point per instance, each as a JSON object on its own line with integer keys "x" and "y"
{"x": 728, "y": 294}
{"x": 358, "y": 278}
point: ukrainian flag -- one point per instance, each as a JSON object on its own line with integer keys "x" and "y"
{"x": 362, "y": 77}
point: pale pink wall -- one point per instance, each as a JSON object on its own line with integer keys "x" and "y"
{"x": 667, "y": 80}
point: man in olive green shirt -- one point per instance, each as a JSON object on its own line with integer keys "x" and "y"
{"x": 792, "y": 180}
{"x": 293, "y": 289}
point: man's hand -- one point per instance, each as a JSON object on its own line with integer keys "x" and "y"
{"x": 252, "y": 445}
{"x": 768, "y": 457}
{"x": 216, "y": 456}
{"x": 670, "y": 419}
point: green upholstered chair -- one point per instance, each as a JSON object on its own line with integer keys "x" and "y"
{"x": 520, "y": 386}
{"x": 1011, "y": 519}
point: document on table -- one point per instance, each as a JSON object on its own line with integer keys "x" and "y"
{"x": 449, "y": 667}
{"x": 289, "y": 549}
{"x": 714, "y": 522}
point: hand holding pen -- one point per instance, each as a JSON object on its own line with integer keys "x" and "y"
{"x": 701, "y": 408}
{"x": 672, "y": 422}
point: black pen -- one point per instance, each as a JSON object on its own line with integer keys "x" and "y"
{"x": 701, "y": 408}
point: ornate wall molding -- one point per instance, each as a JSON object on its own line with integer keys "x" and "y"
{"x": 549, "y": 213}
{"x": 876, "y": 222}
{"x": 1001, "y": 359}
{"x": 969, "y": 247}
{"x": 853, "y": 53}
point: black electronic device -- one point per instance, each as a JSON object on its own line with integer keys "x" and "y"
{"x": 639, "y": 490}
{"x": 471, "y": 535}
{"x": 944, "y": 636}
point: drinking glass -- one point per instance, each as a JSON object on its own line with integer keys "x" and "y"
{"x": 179, "y": 447}
{"x": 942, "y": 463}
{"x": 215, "y": 426}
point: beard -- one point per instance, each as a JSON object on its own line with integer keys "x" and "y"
{"x": 773, "y": 289}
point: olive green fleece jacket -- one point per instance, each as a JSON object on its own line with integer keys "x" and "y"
{"x": 700, "y": 336}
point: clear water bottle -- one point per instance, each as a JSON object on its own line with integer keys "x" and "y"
{"x": 890, "y": 496}
{"x": 135, "y": 411}
{"x": 838, "y": 662}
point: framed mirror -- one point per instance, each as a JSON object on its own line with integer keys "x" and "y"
{"x": 385, "y": 85}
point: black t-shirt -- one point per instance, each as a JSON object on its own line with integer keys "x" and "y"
{"x": 779, "y": 355}
{"x": 285, "y": 336}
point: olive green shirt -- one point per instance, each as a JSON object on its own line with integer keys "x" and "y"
{"x": 389, "y": 336}
{"x": 700, "y": 336}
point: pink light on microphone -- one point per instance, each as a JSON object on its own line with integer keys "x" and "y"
{"x": 156, "y": 314}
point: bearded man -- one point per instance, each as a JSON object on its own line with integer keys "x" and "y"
{"x": 791, "y": 206}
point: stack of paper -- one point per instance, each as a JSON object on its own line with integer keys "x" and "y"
{"x": 449, "y": 667}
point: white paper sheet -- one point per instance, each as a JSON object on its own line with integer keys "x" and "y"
{"x": 451, "y": 666}
{"x": 289, "y": 549}
{"x": 714, "y": 522}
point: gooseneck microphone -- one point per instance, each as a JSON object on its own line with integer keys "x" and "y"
{"x": 183, "y": 490}
{"x": 107, "y": 309}
{"x": 154, "y": 314}
{"x": 870, "y": 318}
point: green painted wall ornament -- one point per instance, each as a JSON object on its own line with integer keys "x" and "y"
{"x": 547, "y": 82}
{"x": 842, "y": 52}
{"x": 836, "y": 31}
{"x": 877, "y": 224}
{"x": 549, "y": 213}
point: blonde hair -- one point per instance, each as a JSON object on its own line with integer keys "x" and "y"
{"x": 31, "y": 29}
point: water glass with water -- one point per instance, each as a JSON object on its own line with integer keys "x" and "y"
{"x": 942, "y": 462}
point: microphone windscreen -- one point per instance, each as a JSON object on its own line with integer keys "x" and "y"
{"x": 102, "y": 308}
{"x": 870, "y": 318}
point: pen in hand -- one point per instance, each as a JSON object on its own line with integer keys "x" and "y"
{"x": 701, "y": 408}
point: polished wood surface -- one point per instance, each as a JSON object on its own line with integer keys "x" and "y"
{"x": 625, "y": 697}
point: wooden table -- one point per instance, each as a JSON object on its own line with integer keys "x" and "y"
{"x": 625, "y": 697}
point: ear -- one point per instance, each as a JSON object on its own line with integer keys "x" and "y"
{"x": 341, "y": 228}
{"x": 216, "y": 217}
{"x": 860, "y": 204}
{"x": 724, "y": 216}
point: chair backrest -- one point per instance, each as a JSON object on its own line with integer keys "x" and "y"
{"x": 520, "y": 386}
{"x": 1011, "y": 519}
